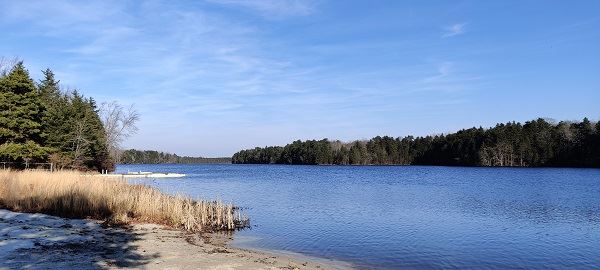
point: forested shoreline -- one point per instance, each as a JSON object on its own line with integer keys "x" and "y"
{"x": 537, "y": 143}
{"x": 44, "y": 126}
{"x": 39, "y": 122}
{"x": 133, "y": 156}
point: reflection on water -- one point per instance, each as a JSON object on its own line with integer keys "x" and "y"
{"x": 409, "y": 217}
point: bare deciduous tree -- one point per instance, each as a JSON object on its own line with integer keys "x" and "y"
{"x": 502, "y": 154}
{"x": 6, "y": 64}
{"x": 119, "y": 124}
{"x": 79, "y": 143}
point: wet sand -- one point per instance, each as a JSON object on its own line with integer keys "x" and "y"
{"x": 37, "y": 241}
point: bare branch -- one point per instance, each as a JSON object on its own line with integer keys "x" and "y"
{"x": 119, "y": 124}
{"x": 6, "y": 64}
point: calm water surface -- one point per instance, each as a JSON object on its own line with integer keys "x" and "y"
{"x": 409, "y": 217}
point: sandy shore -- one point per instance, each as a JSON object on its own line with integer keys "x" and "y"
{"x": 37, "y": 241}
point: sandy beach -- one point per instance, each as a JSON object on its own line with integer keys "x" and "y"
{"x": 38, "y": 241}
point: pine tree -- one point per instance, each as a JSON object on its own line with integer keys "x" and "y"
{"x": 21, "y": 116}
{"x": 55, "y": 123}
{"x": 49, "y": 88}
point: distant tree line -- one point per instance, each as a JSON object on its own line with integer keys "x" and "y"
{"x": 133, "y": 156}
{"x": 533, "y": 144}
{"x": 41, "y": 123}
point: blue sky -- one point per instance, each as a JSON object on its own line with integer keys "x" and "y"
{"x": 216, "y": 76}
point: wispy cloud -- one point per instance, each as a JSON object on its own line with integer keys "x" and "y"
{"x": 443, "y": 77}
{"x": 454, "y": 30}
{"x": 444, "y": 69}
{"x": 212, "y": 77}
{"x": 181, "y": 64}
{"x": 272, "y": 8}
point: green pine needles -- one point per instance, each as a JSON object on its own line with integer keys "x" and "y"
{"x": 41, "y": 123}
{"x": 537, "y": 143}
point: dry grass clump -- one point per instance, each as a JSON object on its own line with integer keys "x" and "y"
{"x": 73, "y": 195}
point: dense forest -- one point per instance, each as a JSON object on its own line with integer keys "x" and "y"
{"x": 534, "y": 144}
{"x": 41, "y": 123}
{"x": 133, "y": 156}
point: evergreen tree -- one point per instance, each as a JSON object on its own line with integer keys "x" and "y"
{"x": 21, "y": 117}
{"x": 56, "y": 118}
{"x": 41, "y": 123}
{"x": 49, "y": 88}
{"x": 536, "y": 143}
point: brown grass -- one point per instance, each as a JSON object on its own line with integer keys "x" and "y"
{"x": 73, "y": 195}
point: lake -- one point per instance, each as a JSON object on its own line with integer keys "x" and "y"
{"x": 384, "y": 217}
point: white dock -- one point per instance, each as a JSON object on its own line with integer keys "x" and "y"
{"x": 143, "y": 175}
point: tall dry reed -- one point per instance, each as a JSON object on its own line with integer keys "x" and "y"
{"x": 71, "y": 194}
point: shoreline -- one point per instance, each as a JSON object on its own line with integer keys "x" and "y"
{"x": 40, "y": 241}
{"x": 299, "y": 257}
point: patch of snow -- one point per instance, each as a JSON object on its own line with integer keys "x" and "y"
{"x": 25, "y": 230}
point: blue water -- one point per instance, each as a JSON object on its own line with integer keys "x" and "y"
{"x": 409, "y": 216}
